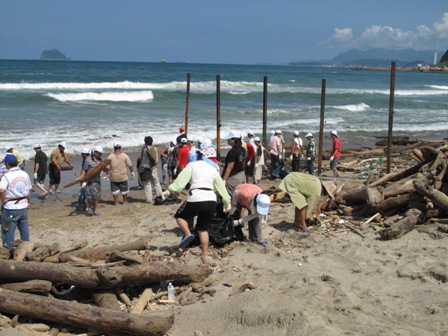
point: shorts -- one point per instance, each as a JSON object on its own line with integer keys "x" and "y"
{"x": 54, "y": 174}
{"x": 40, "y": 179}
{"x": 93, "y": 191}
{"x": 203, "y": 210}
{"x": 117, "y": 187}
{"x": 249, "y": 170}
{"x": 334, "y": 164}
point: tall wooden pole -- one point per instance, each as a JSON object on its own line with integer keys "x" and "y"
{"x": 187, "y": 103}
{"x": 321, "y": 126}
{"x": 391, "y": 116}
{"x": 265, "y": 109}
{"x": 218, "y": 116}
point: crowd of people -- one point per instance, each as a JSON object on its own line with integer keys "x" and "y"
{"x": 184, "y": 166}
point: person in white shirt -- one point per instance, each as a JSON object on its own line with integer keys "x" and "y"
{"x": 297, "y": 151}
{"x": 276, "y": 150}
{"x": 15, "y": 186}
{"x": 201, "y": 202}
{"x": 259, "y": 160}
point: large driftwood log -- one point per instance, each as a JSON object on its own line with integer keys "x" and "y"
{"x": 438, "y": 197}
{"x": 32, "y": 286}
{"x": 403, "y": 226}
{"x": 387, "y": 204}
{"x": 398, "y": 188}
{"x": 362, "y": 195}
{"x": 21, "y": 250}
{"x": 101, "y": 253}
{"x": 397, "y": 175}
{"x": 103, "y": 278}
{"x": 85, "y": 316}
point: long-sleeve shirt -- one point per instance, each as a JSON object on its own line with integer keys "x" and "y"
{"x": 204, "y": 180}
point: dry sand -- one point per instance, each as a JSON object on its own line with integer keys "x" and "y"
{"x": 323, "y": 283}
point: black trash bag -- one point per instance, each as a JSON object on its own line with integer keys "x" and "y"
{"x": 285, "y": 171}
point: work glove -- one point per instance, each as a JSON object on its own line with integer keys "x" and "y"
{"x": 280, "y": 157}
{"x": 237, "y": 222}
{"x": 249, "y": 163}
{"x": 308, "y": 158}
{"x": 165, "y": 166}
{"x": 331, "y": 158}
{"x": 83, "y": 185}
{"x": 175, "y": 171}
{"x": 227, "y": 208}
{"x": 35, "y": 176}
{"x": 166, "y": 194}
{"x": 132, "y": 175}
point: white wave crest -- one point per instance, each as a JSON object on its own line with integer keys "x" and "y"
{"x": 133, "y": 96}
{"x": 353, "y": 108}
{"x": 439, "y": 87}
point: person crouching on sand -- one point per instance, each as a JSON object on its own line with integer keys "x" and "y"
{"x": 304, "y": 191}
{"x": 250, "y": 196}
{"x": 201, "y": 202}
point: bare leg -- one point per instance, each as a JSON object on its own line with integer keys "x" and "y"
{"x": 125, "y": 199}
{"x": 300, "y": 218}
{"x": 183, "y": 225}
{"x": 203, "y": 237}
{"x": 115, "y": 199}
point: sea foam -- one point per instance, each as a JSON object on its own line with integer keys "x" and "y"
{"x": 129, "y": 96}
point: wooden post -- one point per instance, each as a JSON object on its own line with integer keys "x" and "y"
{"x": 265, "y": 110}
{"x": 321, "y": 126}
{"x": 218, "y": 116}
{"x": 391, "y": 116}
{"x": 187, "y": 103}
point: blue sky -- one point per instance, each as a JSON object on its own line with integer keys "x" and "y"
{"x": 209, "y": 31}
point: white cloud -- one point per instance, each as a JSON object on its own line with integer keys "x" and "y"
{"x": 441, "y": 28}
{"x": 343, "y": 35}
{"x": 376, "y": 36}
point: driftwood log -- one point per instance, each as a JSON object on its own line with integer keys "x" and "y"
{"x": 362, "y": 195}
{"x": 395, "y": 176}
{"x": 436, "y": 196}
{"x": 102, "y": 278}
{"x": 102, "y": 252}
{"x": 32, "y": 286}
{"x": 403, "y": 226}
{"x": 81, "y": 315}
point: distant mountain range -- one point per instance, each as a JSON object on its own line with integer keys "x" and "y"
{"x": 379, "y": 57}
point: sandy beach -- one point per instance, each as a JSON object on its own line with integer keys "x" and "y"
{"x": 329, "y": 282}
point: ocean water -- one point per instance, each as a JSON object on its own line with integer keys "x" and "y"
{"x": 90, "y": 104}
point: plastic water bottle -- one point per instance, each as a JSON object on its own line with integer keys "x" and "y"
{"x": 171, "y": 295}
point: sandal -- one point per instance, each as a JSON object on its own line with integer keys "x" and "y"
{"x": 264, "y": 243}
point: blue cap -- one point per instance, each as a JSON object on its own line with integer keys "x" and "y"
{"x": 10, "y": 158}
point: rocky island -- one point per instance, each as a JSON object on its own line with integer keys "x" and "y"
{"x": 53, "y": 55}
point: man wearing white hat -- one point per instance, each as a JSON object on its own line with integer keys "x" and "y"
{"x": 93, "y": 186}
{"x": 259, "y": 161}
{"x": 40, "y": 170}
{"x": 297, "y": 151}
{"x": 118, "y": 174}
{"x": 276, "y": 150}
{"x": 57, "y": 158}
{"x": 310, "y": 153}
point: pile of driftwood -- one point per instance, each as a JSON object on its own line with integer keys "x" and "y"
{"x": 415, "y": 192}
{"x": 42, "y": 283}
{"x": 401, "y": 199}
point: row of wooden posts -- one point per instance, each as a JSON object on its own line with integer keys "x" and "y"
{"x": 265, "y": 115}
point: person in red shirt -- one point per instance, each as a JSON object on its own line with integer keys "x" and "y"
{"x": 182, "y": 157}
{"x": 250, "y": 163}
{"x": 335, "y": 154}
